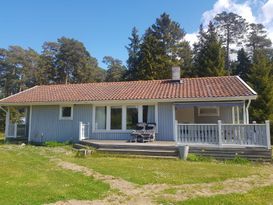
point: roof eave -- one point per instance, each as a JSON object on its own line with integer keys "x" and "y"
{"x": 243, "y": 98}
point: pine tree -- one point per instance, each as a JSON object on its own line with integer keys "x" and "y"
{"x": 133, "y": 52}
{"x": 231, "y": 28}
{"x": 74, "y": 63}
{"x": 208, "y": 54}
{"x": 243, "y": 64}
{"x": 116, "y": 70}
{"x": 260, "y": 78}
{"x": 163, "y": 46}
{"x": 257, "y": 37}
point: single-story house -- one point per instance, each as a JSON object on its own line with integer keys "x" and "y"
{"x": 208, "y": 110}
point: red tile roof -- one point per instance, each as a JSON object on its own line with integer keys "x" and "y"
{"x": 193, "y": 88}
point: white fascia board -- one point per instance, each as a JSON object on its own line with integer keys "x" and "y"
{"x": 135, "y": 102}
{"x": 246, "y": 85}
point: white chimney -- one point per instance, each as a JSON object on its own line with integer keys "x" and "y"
{"x": 176, "y": 73}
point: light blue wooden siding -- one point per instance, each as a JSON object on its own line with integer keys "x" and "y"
{"x": 46, "y": 126}
{"x": 165, "y": 121}
{"x": 110, "y": 136}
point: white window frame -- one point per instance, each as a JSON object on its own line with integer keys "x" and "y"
{"x": 61, "y": 112}
{"x": 217, "y": 114}
{"x": 124, "y": 116}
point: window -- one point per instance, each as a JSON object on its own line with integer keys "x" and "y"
{"x": 100, "y": 118}
{"x": 66, "y": 113}
{"x": 208, "y": 111}
{"x": 149, "y": 113}
{"x": 132, "y": 117}
{"x": 116, "y": 118}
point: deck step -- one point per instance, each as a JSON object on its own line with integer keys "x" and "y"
{"x": 141, "y": 152}
{"x": 80, "y": 146}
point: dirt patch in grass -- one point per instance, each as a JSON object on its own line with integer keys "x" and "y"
{"x": 130, "y": 193}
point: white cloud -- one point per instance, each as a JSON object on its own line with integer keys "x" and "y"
{"x": 243, "y": 9}
{"x": 264, "y": 14}
{"x": 267, "y": 10}
{"x": 191, "y": 37}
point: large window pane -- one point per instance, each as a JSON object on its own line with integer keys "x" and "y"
{"x": 132, "y": 117}
{"x": 116, "y": 118}
{"x": 149, "y": 113}
{"x": 101, "y": 118}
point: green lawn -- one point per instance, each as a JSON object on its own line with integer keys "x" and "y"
{"x": 28, "y": 178}
{"x": 170, "y": 171}
{"x": 260, "y": 196}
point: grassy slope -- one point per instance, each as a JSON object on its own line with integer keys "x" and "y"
{"x": 28, "y": 178}
{"x": 261, "y": 196}
{"x": 170, "y": 171}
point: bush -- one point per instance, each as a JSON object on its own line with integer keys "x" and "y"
{"x": 56, "y": 144}
{"x": 198, "y": 158}
{"x": 239, "y": 160}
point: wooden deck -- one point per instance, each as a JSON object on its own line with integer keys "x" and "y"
{"x": 170, "y": 149}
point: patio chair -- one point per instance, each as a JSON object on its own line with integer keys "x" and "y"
{"x": 140, "y": 128}
{"x": 144, "y": 132}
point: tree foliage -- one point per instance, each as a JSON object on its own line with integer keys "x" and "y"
{"x": 260, "y": 78}
{"x": 162, "y": 47}
{"x": 243, "y": 64}
{"x": 133, "y": 55}
{"x": 257, "y": 38}
{"x": 231, "y": 28}
{"x": 116, "y": 70}
{"x": 208, "y": 54}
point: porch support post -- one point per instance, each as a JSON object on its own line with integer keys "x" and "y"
{"x": 238, "y": 114}
{"x": 247, "y": 112}
{"x": 267, "y": 124}
{"x": 233, "y": 115}
{"x": 108, "y": 118}
{"x": 29, "y": 123}
{"x": 220, "y": 132}
{"x": 140, "y": 113}
{"x": 7, "y": 123}
{"x": 244, "y": 113}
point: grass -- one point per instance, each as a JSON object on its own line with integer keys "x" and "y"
{"x": 29, "y": 178}
{"x": 170, "y": 171}
{"x": 1, "y": 137}
{"x": 260, "y": 196}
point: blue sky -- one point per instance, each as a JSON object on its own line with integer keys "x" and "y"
{"x": 102, "y": 25}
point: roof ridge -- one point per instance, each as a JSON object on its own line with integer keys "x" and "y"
{"x": 134, "y": 81}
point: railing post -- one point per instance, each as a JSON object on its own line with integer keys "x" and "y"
{"x": 80, "y": 131}
{"x": 220, "y": 132}
{"x": 175, "y": 130}
{"x": 15, "y": 130}
{"x": 267, "y": 125}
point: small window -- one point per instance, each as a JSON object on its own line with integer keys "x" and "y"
{"x": 66, "y": 113}
{"x": 208, "y": 111}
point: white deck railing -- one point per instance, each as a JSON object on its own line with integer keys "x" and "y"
{"x": 257, "y": 135}
{"x": 84, "y": 130}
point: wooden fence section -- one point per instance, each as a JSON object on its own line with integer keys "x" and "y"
{"x": 257, "y": 135}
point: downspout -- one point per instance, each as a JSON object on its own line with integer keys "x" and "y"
{"x": 247, "y": 113}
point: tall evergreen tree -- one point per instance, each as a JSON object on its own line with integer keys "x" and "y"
{"x": 231, "y": 28}
{"x": 257, "y": 37}
{"x": 133, "y": 55}
{"x": 243, "y": 64}
{"x": 74, "y": 63}
{"x": 162, "y": 47}
{"x": 116, "y": 70}
{"x": 260, "y": 78}
{"x": 208, "y": 54}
